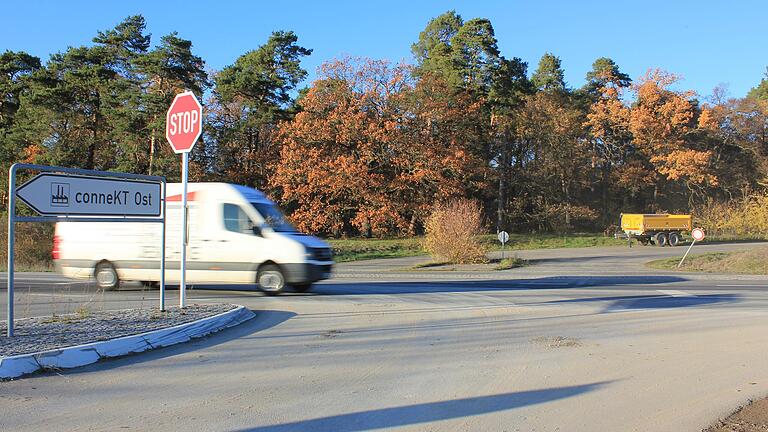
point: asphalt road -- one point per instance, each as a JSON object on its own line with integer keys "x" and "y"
{"x": 582, "y": 340}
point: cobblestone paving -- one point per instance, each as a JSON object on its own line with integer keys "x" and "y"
{"x": 60, "y": 331}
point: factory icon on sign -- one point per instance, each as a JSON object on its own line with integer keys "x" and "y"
{"x": 59, "y": 194}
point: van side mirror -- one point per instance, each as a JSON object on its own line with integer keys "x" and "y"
{"x": 256, "y": 230}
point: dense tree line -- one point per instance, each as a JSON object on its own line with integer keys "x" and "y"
{"x": 370, "y": 146}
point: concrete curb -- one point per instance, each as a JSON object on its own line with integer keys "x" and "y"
{"x": 81, "y": 355}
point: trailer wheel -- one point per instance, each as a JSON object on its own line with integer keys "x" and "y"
{"x": 661, "y": 239}
{"x": 674, "y": 239}
{"x": 106, "y": 276}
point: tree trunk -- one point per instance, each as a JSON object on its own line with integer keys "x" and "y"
{"x": 606, "y": 174}
{"x": 151, "y": 150}
{"x": 91, "y": 156}
{"x": 501, "y": 199}
{"x": 412, "y": 225}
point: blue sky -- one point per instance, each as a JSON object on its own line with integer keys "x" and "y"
{"x": 707, "y": 42}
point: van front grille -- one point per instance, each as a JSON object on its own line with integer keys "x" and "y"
{"x": 322, "y": 254}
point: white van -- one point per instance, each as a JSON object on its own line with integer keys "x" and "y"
{"x": 236, "y": 236}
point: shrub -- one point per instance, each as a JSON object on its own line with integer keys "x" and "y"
{"x": 34, "y": 242}
{"x": 562, "y": 218}
{"x": 452, "y": 233}
{"x": 745, "y": 217}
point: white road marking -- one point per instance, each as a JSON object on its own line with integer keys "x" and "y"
{"x": 676, "y": 293}
{"x": 756, "y": 286}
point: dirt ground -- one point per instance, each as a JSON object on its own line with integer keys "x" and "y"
{"x": 751, "y": 418}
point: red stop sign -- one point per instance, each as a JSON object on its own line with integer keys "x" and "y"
{"x": 184, "y": 122}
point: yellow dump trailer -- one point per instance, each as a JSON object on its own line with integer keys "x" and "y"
{"x": 660, "y": 229}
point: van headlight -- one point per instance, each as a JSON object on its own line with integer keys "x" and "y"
{"x": 318, "y": 254}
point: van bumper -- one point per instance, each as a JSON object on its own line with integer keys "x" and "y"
{"x": 306, "y": 272}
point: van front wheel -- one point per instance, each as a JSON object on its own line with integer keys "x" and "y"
{"x": 106, "y": 276}
{"x": 270, "y": 280}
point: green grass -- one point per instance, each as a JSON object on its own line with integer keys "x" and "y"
{"x": 495, "y": 264}
{"x": 753, "y": 261}
{"x": 551, "y": 241}
{"x": 362, "y": 249}
{"x": 26, "y": 267}
{"x": 511, "y": 263}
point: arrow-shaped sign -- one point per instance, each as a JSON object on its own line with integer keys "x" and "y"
{"x": 73, "y": 195}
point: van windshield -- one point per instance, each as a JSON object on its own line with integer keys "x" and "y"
{"x": 273, "y": 217}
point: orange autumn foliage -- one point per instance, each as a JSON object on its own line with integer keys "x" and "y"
{"x": 660, "y": 122}
{"x": 371, "y": 152}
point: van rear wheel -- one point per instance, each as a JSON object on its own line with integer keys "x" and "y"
{"x": 270, "y": 280}
{"x": 106, "y": 276}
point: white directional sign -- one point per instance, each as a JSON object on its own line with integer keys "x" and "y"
{"x": 59, "y": 195}
{"x": 503, "y": 237}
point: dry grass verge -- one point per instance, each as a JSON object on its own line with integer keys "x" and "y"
{"x": 753, "y": 261}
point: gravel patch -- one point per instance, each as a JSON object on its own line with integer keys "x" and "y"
{"x": 557, "y": 342}
{"x": 38, "y": 334}
{"x": 750, "y": 418}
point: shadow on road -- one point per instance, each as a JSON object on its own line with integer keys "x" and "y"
{"x": 653, "y": 301}
{"x": 567, "y": 259}
{"x": 666, "y": 302}
{"x": 262, "y": 321}
{"x": 429, "y": 412}
{"x": 427, "y": 286}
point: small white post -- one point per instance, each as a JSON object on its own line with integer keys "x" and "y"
{"x": 686, "y": 253}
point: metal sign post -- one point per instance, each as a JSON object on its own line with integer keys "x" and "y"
{"x": 183, "y": 126}
{"x": 60, "y": 194}
{"x": 503, "y": 238}
{"x": 184, "y": 240}
{"x": 11, "y": 244}
{"x": 697, "y": 234}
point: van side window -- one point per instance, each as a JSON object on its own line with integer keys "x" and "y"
{"x": 236, "y": 220}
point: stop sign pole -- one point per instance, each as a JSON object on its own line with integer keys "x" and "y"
{"x": 183, "y": 126}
